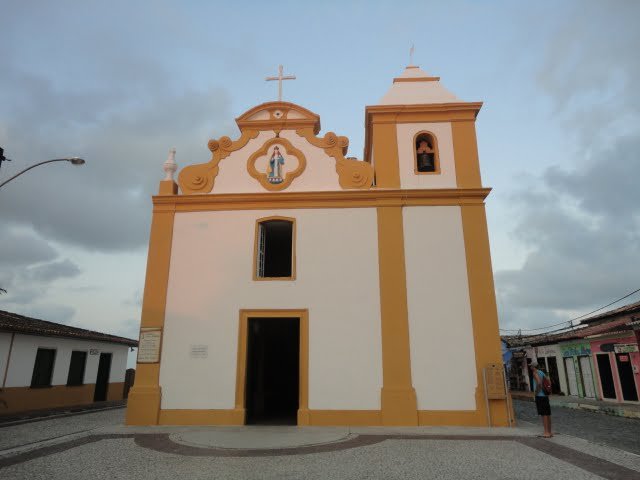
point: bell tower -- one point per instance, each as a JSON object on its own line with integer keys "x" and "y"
{"x": 421, "y": 141}
{"x": 420, "y": 135}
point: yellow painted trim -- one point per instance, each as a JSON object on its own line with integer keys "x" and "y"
{"x": 241, "y": 367}
{"x": 309, "y": 120}
{"x": 22, "y": 399}
{"x": 325, "y": 418}
{"x": 168, "y": 187}
{"x": 386, "y": 161}
{"x": 200, "y": 178}
{"x": 427, "y": 113}
{"x": 143, "y": 405}
{"x": 289, "y": 177}
{"x": 236, "y": 417}
{"x": 200, "y": 417}
{"x": 416, "y": 79}
{"x": 360, "y": 418}
{"x": 352, "y": 174}
{"x": 293, "y": 248}
{"x": 484, "y": 312}
{"x": 452, "y": 418}
{"x": 337, "y": 199}
{"x": 436, "y": 152}
{"x": 398, "y": 397}
{"x": 465, "y": 154}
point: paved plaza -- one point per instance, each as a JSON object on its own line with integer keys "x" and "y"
{"x": 95, "y": 445}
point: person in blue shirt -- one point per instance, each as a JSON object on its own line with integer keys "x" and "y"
{"x": 542, "y": 400}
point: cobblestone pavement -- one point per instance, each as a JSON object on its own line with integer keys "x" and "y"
{"x": 618, "y": 432}
{"x": 97, "y": 446}
{"x": 57, "y": 428}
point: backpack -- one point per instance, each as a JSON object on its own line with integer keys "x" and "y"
{"x": 546, "y": 385}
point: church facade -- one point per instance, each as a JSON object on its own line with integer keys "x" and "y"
{"x": 289, "y": 284}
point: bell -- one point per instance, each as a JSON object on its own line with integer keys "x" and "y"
{"x": 425, "y": 162}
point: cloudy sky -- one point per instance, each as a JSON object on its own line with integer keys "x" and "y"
{"x": 119, "y": 83}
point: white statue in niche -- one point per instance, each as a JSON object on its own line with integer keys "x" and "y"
{"x": 275, "y": 166}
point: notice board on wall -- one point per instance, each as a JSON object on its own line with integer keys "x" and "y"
{"x": 494, "y": 381}
{"x": 149, "y": 346}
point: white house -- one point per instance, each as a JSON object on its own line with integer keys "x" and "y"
{"x": 47, "y": 365}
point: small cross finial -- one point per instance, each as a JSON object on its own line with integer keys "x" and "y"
{"x": 411, "y": 50}
{"x": 280, "y": 78}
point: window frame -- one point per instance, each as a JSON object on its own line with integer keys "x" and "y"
{"x": 84, "y": 368}
{"x": 436, "y": 153}
{"x": 49, "y": 384}
{"x": 258, "y": 255}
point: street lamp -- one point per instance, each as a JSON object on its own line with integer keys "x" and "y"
{"x": 72, "y": 160}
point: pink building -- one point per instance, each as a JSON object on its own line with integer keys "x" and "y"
{"x": 617, "y": 364}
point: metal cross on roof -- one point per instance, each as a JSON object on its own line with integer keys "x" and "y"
{"x": 280, "y": 78}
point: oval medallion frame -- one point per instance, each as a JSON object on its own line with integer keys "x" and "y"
{"x": 289, "y": 177}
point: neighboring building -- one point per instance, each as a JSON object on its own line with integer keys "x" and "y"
{"x": 288, "y": 283}
{"x": 46, "y": 365}
{"x": 597, "y": 359}
{"x": 551, "y": 360}
{"x": 576, "y": 356}
{"x": 616, "y": 357}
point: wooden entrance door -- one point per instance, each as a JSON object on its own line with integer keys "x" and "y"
{"x": 606, "y": 375}
{"x": 587, "y": 377}
{"x": 572, "y": 381}
{"x": 102, "y": 379}
{"x": 625, "y": 372}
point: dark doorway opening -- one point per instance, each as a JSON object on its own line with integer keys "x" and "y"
{"x": 552, "y": 365}
{"x": 625, "y": 371}
{"x": 102, "y": 379}
{"x": 606, "y": 376}
{"x": 273, "y": 369}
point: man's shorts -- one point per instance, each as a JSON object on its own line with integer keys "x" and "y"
{"x": 542, "y": 405}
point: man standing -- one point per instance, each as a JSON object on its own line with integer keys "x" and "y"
{"x": 542, "y": 400}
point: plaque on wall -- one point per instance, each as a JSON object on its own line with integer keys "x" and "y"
{"x": 495, "y": 381}
{"x": 149, "y": 346}
{"x": 199, "y": 351}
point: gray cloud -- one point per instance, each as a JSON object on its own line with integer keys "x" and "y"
{"x": 23, "y": 248}
{"x": 50, "y": 312}
{"x": 581, "y": 220}
{"x": 105, "y": 204}
{"x": 28, "y": 267}
{"x": 53, "y": 271}
{"x": 107, "y": 97}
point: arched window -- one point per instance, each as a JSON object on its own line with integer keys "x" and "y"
{"x": 275, "y": 247}
{"x": 426, "y": 153}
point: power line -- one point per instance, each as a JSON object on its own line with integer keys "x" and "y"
{"x": 570, "y": 322}
{"x": 608, "y": 305}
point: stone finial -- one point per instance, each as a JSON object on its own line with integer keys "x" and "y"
{"x": 170, "y": 166}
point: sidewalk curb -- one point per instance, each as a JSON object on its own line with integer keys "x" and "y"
{"x": 37, "y": 416}
{"x": 613, "y": 410}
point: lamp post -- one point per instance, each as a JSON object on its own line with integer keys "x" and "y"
{"x": 72, "y": 160}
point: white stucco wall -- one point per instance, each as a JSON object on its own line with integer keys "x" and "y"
{"x": 5, "y": 341}
{"x": 319, "y": 175}
{"x": 25, "y": 347}
{"x": 211, "y": 279}
{"x": 408, "y": 178}
{"x": 443, "y": 366}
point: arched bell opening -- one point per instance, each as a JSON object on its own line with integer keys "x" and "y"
{"x": 426, "y": 153}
